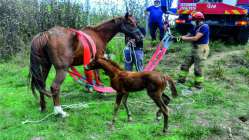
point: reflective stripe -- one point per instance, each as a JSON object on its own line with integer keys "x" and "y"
{"x": 183, "y": 73}
{"x": 199, "y": 79}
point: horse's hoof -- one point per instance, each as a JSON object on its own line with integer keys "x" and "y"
{"x": 64, "y": 115}
{"x": 89, "y": 90}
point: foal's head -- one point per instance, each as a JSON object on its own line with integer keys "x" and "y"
{"x": 102, "y": 62}
{"x": 109, "y": 66}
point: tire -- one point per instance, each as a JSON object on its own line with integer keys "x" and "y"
{"x": 242, "y": 36}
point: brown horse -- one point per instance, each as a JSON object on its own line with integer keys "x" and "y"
{"x": 60, "y": 47}
{"x": 124, "y": 82}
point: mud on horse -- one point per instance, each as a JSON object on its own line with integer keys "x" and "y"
{"x": 61, "y": 48}
{"x": 124, "y": 82}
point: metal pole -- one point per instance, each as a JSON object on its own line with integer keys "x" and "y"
{"x": 146, "y": 19}
{"x": 88, "y": 11}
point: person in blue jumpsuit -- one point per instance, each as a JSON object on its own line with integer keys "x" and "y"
{"x": 155, "y": 20}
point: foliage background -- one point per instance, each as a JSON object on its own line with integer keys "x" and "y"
{"x": 22, "y": 19}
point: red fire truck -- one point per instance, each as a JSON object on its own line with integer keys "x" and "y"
{"x": 226, "y": 18}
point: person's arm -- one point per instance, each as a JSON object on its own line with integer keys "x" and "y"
{"x": 187, "y": 35}
{"x": 147, "y": 10}
{"x": 192, "y": 38}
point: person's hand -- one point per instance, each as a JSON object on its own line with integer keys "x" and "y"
{"x": 133, "y": 40}
{"x": 176, "y": 38}
{"x": 183, "y": 37}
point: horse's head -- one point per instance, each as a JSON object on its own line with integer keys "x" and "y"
{"x": 129, "y": 27}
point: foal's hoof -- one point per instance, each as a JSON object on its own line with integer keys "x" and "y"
{"x": 243, "y": 118}
{"x": 111, "y": 125}
{"x": 165, "y": 131}
{"x": 130, "y": 119}
{"x": 42, "y": 109}
{"x": 158, "y": 118}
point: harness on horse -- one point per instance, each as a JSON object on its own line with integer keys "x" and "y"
{"x": 87, "y": 45}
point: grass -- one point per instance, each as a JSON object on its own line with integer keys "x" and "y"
{"x": 213, "y": 111}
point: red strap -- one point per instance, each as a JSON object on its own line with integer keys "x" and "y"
{"x": 77, "y": 76}
{"x": 156, "y": 61}
{"x": 153, "y": 58}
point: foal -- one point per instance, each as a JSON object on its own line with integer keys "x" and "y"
{"x": 124, "y": 82}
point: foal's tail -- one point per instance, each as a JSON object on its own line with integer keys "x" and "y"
{"x": 38, "y": 63}
{"x": 172, "y": 86}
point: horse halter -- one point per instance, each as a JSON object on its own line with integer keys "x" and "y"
{"x": 131, "y": 31}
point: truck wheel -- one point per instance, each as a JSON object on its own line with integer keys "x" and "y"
{"x": 242, "y": 36}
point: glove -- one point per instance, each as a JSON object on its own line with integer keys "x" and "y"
{"x": 176, "y": 39}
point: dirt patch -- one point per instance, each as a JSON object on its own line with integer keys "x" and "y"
{"x": 211, "y": 60}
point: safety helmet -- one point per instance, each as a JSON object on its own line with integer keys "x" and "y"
{"x": 197, "y": 16}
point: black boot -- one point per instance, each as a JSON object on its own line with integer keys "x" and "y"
{"x": 198, "y": 85}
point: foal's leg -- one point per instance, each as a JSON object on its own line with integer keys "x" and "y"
{"x": 55, "y": 89}
{"x": 166, "y": 101}
{"x": 163, "y": 108}
{"x": 116, "y": 107}
{"x": 126, "y": 107}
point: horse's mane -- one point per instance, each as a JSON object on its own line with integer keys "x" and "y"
{"x": 99, "y": 25}
{"x": 113, "y": 63}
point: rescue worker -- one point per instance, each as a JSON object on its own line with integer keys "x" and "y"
{"x": 155, "y": 20}
{"x": 133, "y": 52}
{"x": 199, "y": 37}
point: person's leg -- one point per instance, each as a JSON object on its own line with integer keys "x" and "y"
{"x": 153, "y": 28}
{"x": 200, "y": 55}
{"x": 184, "y": 69}
{"x": 128, "y": 59}
{"x": 139, "y": 59}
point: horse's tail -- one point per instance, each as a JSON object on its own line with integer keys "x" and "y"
{"x": 37, "y": 59}
{"x": 172, "y": 86}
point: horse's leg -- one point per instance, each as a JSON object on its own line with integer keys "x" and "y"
{"x": 55, "y": 89}
{"x": 45, "y": 71}
{"x": 116, "y": 107}
{"x": 89, "y": 74}
{"x": 162, "y": 107}
{"x": 126, "y": 107}
{"x": 166, "y": 101}
{"x": 97, "y": 78}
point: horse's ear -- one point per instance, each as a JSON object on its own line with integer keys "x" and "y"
{"x": 127, "y": 15}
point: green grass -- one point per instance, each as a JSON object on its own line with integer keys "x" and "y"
{"x": 213, "y": 111}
